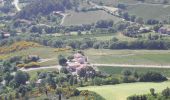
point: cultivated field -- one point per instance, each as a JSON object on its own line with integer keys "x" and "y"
{"x": 101, "y": 56}
{"x": 149, "y": 11}
{"x": 118, "y": 70}
{"x": 136, "y": 57}
{"x": 122, "y": 91}
{"x": 79, "y": 18}
{"x": 115, "y": 2}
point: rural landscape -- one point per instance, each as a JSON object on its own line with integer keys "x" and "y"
{"x": 84, "y": 49}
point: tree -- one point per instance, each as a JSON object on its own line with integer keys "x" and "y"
{"x": 152, "y": 77}
{"x": 140, "y": 20}
{"x": 6, "y": 66}
{"x": 126, "y": 16}
{"x": 21, "y": 78}
{"x": 79, "y": 33}
{"x": 152, "y": 91}
{"x": 127, "y": 72}
{"x": 166, "y": 92}
{"x": 62, "y": 60}
{"x": 23, "y": 89}
{"x": 133, "y": 18}
{"x": 59, "y": 92}
{"x": 8, "y": 77}
{"x": 104, "y": 24}
{"x": 71, "y": 80}
{"x": 121, "y": 6}
{"x": 82, "y": 72}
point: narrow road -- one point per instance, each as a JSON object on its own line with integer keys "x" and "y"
{"x": 99, "y": 65}
{"x": 16, "y": 2}
{"x": 39, "y": 68}
{"x": 64, "y": 16}
{"x": 130, "y": 65}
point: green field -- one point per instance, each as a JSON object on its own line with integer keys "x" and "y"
{"x": 103, "y": 56}
{"x": 118, "y": 70}
{"x": 136, "y": 57}
{"x": 79, "y": 18}
{"x": 43, "y": 52}
{"x": 122, "y": 91}
{"x": 116, "y": 2}
{"x": 148, "y": 11}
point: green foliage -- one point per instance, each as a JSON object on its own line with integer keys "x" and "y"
{"x": 152, "y": 77}
{"x": 137, "y": 97}
{"x": 45, "y": 7}
{"x": 20, "y": 78}
{"x": 62, "y": 60}
{"x": 166, "y": 92}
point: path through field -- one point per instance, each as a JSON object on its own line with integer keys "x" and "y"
{"x": 16, "y": 3}
{"x": 129, "y": 65}
{"x": 39, "y": 68}
{"x": 98, "y": 65}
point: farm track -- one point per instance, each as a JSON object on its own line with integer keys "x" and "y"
{"x": 98, "y": 65}
{"x": 129, "y": 65}
{"x": 16, "y": 3}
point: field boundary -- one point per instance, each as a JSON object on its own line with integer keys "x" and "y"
{"x": 128, "y": 65}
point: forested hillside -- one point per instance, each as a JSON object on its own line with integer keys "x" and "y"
{"x": 44, "y": 7}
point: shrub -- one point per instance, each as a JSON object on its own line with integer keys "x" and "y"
{"x": 166, "y": 92}
{"x": 32, "y": 65}
{"x": 127, "y": 72}
{"x": 152, "y": 77}
{"x": 137, "y": 97}
{"x": 129, "y": 79}
{"x": 18, "y": 46}
{"x": 111, "y": 80}
{"x": 20, "y": 65}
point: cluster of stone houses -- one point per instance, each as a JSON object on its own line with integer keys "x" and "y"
{"x": 77, "y": 63}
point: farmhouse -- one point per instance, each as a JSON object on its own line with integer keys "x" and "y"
{"x": 144, "y": 29}
{"x": 78, "y": 62}
{"x": 4, "y": 34}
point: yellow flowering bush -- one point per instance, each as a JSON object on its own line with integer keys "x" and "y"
{"x": 18, "y": 46}
{"x": 32, "y": 65}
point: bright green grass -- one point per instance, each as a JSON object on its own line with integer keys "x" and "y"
{"x": 122, "y": 91}
{"x": 143, "y": 57}
{"x": 118, "y": 70}
{"x": 79, "y": 18}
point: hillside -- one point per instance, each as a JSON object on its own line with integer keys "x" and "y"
{"x": 84, "y": 49}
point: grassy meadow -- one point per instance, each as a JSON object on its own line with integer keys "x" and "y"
{"x": 43, "y": 52}
{"x": 122, "y": 91}
{"x": 152, "y": 12}
{"x": 79, "y": 18}
{"x": 136, "y": 57}
{"x": 101, "y": 56}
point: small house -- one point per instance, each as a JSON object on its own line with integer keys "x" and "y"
{"x": 5, "y": 34}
